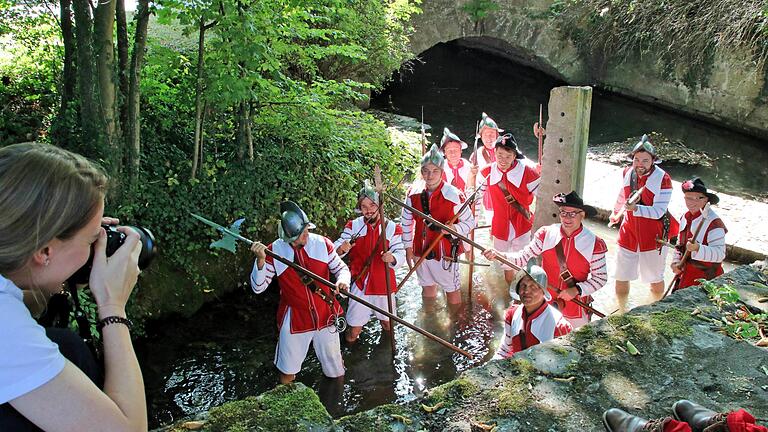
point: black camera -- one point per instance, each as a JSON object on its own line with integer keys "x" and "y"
{"x": 115, "y": 239}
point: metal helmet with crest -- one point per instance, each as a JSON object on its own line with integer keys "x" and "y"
{"x": 534, "y": 272}
{"x": 644, "y": 145}
{"x": 449, "y": 136}
{"x": 367, "y": 191}
{"x": 293, "y": 221}
{"x": 433, "y": 156}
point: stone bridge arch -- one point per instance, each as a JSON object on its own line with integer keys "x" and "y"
{"x": 521, "y": 30}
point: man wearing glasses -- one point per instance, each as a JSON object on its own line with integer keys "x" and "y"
{"x": 571, "y": 255}
{"x": 707, "y": 250}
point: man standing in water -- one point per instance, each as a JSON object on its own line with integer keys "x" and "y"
{"x": 572, "y": 256}
{"x": 535, "y": 320}
{"x": 645, "y": 221}
{"x": 369, "y": 259}
{"x": 307, "y": 309}
{"x": 511, "y": 183}
{"x": 457, "y": 169}
{"x": 488, "y": 133}
{"x": 441, "y": 201}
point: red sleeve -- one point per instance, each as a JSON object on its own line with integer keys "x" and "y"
{"x": 540, "y": 234}
{"x": 329, "y": 245}
{"x": 398, "y": 230}
{"x": 348, "y": 225}
{"x": 600, "y": 246}
{"x": 269, "y": 259}
{"x": 666, "y": 182}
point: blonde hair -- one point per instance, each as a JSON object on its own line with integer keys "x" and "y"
{"x": 45, "y": 193}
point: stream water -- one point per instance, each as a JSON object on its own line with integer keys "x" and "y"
{"x": 225, "y": 351}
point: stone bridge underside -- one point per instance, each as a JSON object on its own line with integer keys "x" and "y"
{"x": 520, "y": 30}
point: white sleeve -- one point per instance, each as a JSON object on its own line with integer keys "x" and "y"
{"x": 505, "y": 349}
{"x": 28, "y": 359}
{"x": 659, "y": 207}
{"x": 466, "y": 221}
{"x": 397, "y": 249}
{"x": 714, "y": 250}
{"x": 531, "y": 250}
{"x": 407, "y": 223}
{"x": 260, "y": 278}
{"x": 338, "y": 268}
{"x": 598, "y": 275}
{"x": 346, "y": 235}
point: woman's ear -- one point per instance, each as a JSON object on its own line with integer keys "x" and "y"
{"x": 42, "y": 256}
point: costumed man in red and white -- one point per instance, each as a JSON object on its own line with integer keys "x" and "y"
{"x": 572, "y": 256}
{"x": 369, "y": 257}
{"x": 643, "y": 222}
{"x": 308, "y": 310}
{"x": 457, "y": 169}
{"x": 488, "y": 133}
{"x": 511, "y": 183}
{"x": 707, "y": 250}
{"x": 441, "y": 201}
{"x": 535, "y": 320}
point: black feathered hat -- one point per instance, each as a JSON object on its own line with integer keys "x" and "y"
{"x": 574, "y": 200}
{"x": 696, "y": 185}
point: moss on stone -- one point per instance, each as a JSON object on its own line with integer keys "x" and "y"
{"x": 377, "y": 419}
{"x": 672, "y": 323}
{"x": 559, "y": 350}
{"x": 452, "y": 391}
{"x": 292, "y": 407}
{"x": 514, "y": 394}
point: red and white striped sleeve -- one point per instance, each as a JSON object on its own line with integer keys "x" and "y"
{"x": 335, "y": 265}
{"x": 531, "y": 250}
{"x": 261, "y": 278}
{"x": 598, "y": 270}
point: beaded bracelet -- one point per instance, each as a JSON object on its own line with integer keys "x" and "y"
{"x": 113, "y": 320}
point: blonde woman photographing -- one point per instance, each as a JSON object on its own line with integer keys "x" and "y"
{"x": 51, "y": 212}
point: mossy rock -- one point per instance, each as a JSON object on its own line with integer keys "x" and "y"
{"x": 389, "y": 417}
{"x": 292, "y": 407}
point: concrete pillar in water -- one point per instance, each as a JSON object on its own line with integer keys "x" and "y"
{"x": 565, "y": 149}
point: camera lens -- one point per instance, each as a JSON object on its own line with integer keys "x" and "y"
{"x": 115, "y": 239}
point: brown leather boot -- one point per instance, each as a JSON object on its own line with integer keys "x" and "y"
{"x": 700, "y": 419}
{"x": 616, "y": 420}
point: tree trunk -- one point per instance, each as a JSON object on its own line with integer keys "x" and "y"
{"x": 122, "y": 65}
{"x": 242, "y": 121}
{"x": 62, "y": 136}
{"x": 133, "y": 122}
{"x": 89, "y": 117}
{"x": 103, "y": 42}
{"x": 197, "y": 145}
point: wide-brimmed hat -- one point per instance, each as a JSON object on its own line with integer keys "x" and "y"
{"x": 696, "y": 185}
{"x": 487, "y": 122}
{"x": 433, "y": 156}
{"x": 508, "y": 141}
{"x": 534, "y": 272}
{"x": 573, "y": 199}
{"x": 645, "y": 145}
{"x": 449, "y": 136}
{"x": 293, "y": 220}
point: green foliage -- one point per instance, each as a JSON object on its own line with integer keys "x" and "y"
{"x": 678, "y": 37}
{"x": 29, "y": 64}
{"x": 479, "y": 9}
{"x": 720, "y": 294}
{"x": 672, "y": 323}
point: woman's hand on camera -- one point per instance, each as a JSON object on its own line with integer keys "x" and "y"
{"x": 113, "y": 278}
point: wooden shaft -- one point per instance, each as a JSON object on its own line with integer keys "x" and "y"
{"x": 330, "y": 284}
{"x": 386, "y": 272}
{"x": 687, "y": 254}
{"x": 437, "y": 239}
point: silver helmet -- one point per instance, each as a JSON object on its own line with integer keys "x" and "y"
{"x": 367, "y": 191}
{"x": 433, "y": 156}
{"x": 293, "y": 220}
{"x": 534, "y": 272}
